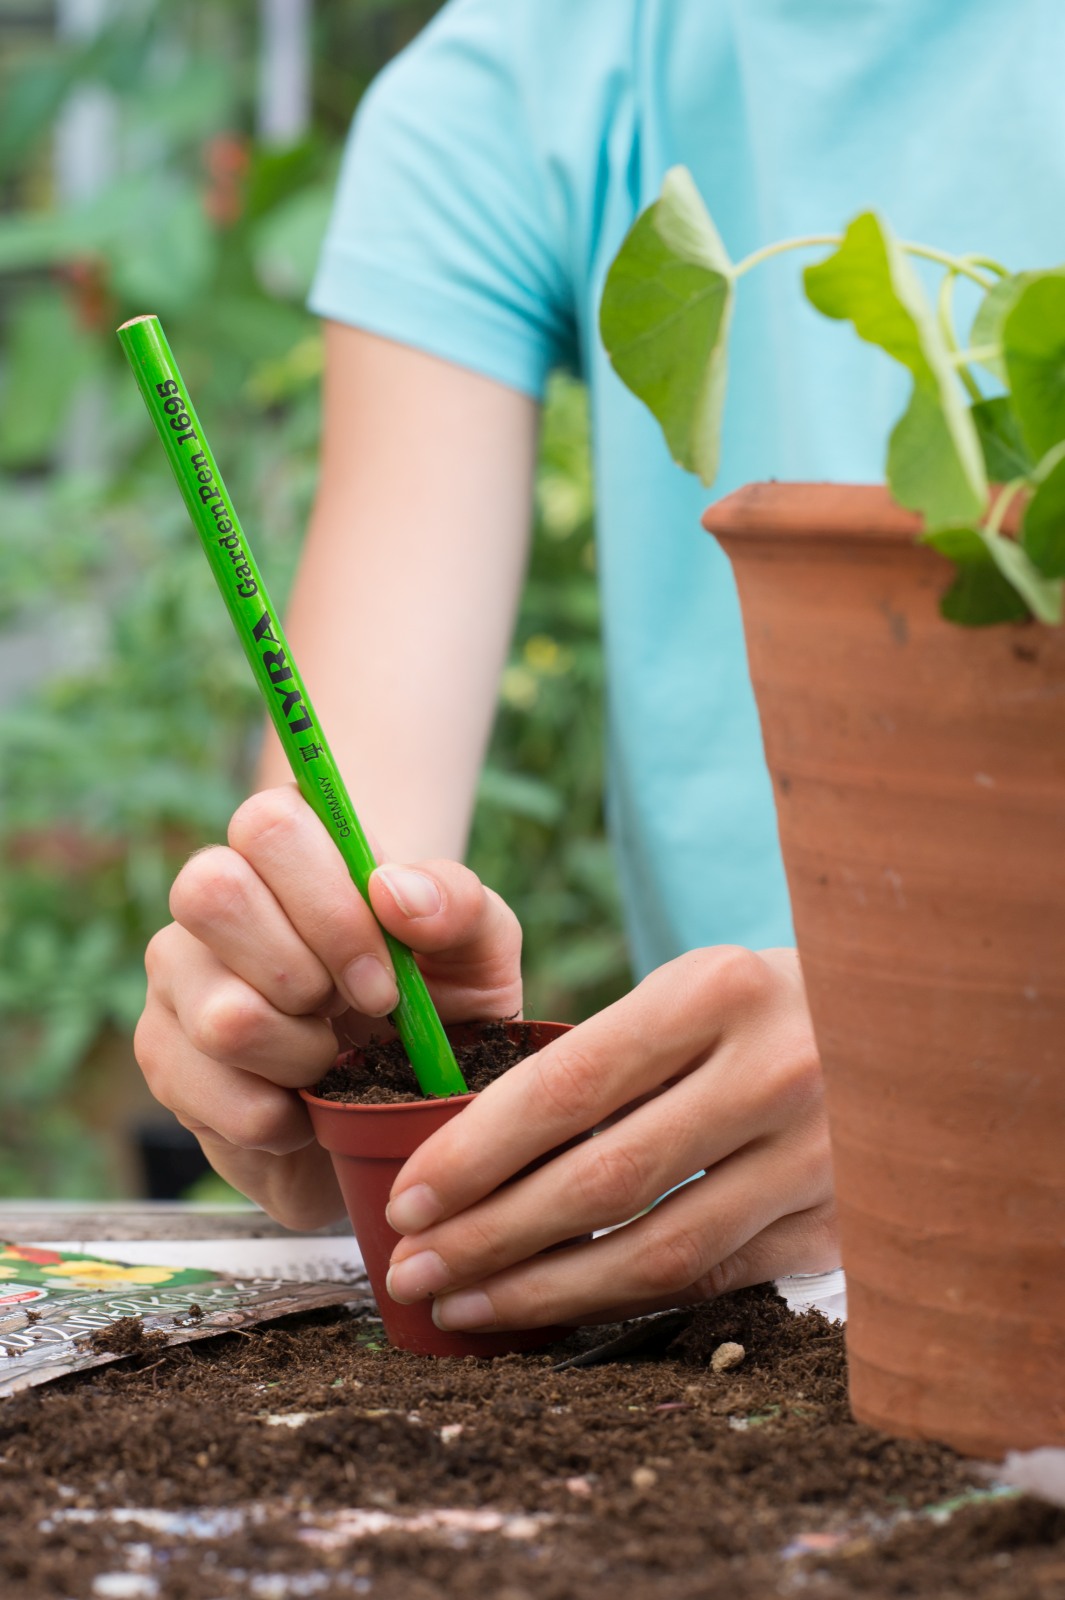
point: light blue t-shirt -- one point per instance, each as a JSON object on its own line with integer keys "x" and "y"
{"x": 493, "y": 171}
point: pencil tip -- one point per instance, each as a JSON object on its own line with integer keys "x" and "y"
{"x": 147, "y": 316}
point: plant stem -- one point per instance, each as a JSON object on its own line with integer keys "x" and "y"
{"x": 965, "y": 265}
{"x": 808, "y": 241}
{"x": 945, "y": 316}
{"x": 993, "y": 525}
{"x": 976, "y": 355}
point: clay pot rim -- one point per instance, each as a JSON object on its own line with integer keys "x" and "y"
{"x": 861, "y": 513}
{"x": 393, "y": 1107}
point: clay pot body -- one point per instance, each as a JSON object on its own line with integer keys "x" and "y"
{"x": 919, "y": 775}
{"x": 369, "y": 1145}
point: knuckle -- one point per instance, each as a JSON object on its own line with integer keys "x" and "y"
{"x": 723, "y": 1277}
{"x": 483, "y": 1250}
{"x": 228, "y": 1023}
{"x": 795, "y": 1080}
{"x": 611, "y": 1182}
{"x": 570, "y": 1084}
{"x": 147, "y": 1049}
{"x": 156, "y": 954}
{"x": 672, "y": 1260}
{"x": 739, "y": 978}
{"x": 207, "y": 888}
{"x": 257, "y": 1126}
{"x": 270, "y": 811}
{"x": 823, "y": 1222}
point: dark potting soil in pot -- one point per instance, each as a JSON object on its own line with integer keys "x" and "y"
{"x": 653, "y": 1476}
{"x": 381, "y": 1075}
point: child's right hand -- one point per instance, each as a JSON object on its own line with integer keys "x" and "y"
{"x": 272, "y": 957}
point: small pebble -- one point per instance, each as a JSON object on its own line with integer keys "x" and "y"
{"x": 124, "y": 1586}
{"x": 727, "y": 1356}
{"x": 644, "y": 1478}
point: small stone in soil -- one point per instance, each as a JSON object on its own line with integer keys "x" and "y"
{"x": 727, "y": 1356}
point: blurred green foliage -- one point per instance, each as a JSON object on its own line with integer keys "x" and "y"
{"x": 139, "y": 742}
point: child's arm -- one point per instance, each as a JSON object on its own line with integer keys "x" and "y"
{"x": 408, "y": 584}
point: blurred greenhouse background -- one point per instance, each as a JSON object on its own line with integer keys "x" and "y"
{"x": 181, "y": 159}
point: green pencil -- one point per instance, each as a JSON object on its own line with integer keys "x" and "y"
{"x": 270, "y": 657}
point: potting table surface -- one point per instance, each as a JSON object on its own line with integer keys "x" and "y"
{"x": 308, "y": 1458}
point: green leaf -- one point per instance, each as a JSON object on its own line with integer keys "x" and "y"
{"x": 162, "y": 259}
{"x": 47, "y": 356}
{"x": 924, "y": 470}
{"x": 991, "y": 313}
{"x": 520, "y": 794}
{"x": 664, "y": 321}
{"x": 935, "y": 464}
{"x": 988, "y": 561}
{"x": 980, "y": 595}
{"x": 1042, "y": 594}
{"x": 1043, "y": 535}
{"x": 287, "y": 240}
{"x": 32, "y": 94}
{"x": 1033, "y": 336}
{"x": 999, "y": 432}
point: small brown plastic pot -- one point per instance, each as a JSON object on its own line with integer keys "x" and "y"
{"x": 369, "y": 1145}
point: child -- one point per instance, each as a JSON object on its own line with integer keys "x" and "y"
{"x": 493, "y": 172}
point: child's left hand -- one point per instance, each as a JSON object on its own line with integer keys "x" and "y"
{"x": 708, "y": 1065}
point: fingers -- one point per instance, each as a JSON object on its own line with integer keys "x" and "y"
{"x": 467, "y": 939}
{"x": 223, "y": 903}
{"x": 280, "y": 837}
{"x": 660, "y": 1031}
{"x": 606, "y": 1181}
{"x": 696, "y": 1244}
{"x": 714, "y": 1062}
{"x": 256, "y": 1134}
{"x": 223, "y": 1019}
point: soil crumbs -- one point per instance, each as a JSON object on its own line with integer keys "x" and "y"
{"x": 310, "y": 1459}
{"x": 381, "y": 1074}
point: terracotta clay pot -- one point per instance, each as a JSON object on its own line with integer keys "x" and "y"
{"x": 919, "y": 773}
{"x": 369, "y": 1145}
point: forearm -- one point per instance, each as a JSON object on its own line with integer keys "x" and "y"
{"x": 404, "y": 602}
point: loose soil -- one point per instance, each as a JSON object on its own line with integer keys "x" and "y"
{"x": 381, "y": 1075}
{"x": 648, "y": 1475}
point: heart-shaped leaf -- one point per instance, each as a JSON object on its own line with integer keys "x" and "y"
{"x": 1043, "y": 536}
{"x": 664, "y": 321}
{"x": 995, "y": 582}
{"x": 999, "y": 432}
{"x": 868, "y": 281}
{"x": 1033, "y": 338}
{"x": 991, "y": 313}
{"x": 980, "y": 595}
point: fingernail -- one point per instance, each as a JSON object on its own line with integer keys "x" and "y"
{"x": 417, "y": 1277}
{"x": 472, "y": 1310}
{"x": 369, "y": 987}
{"x": 414, "y": 893}
{"x": 414, "y": 1209}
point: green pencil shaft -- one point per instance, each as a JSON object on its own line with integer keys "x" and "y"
{"x": 270, "y": 657}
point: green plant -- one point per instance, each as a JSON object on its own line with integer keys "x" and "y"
{"x": 965, "y": 460}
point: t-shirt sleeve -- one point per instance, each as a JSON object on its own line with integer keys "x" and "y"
{"x": 442, "y": 234}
